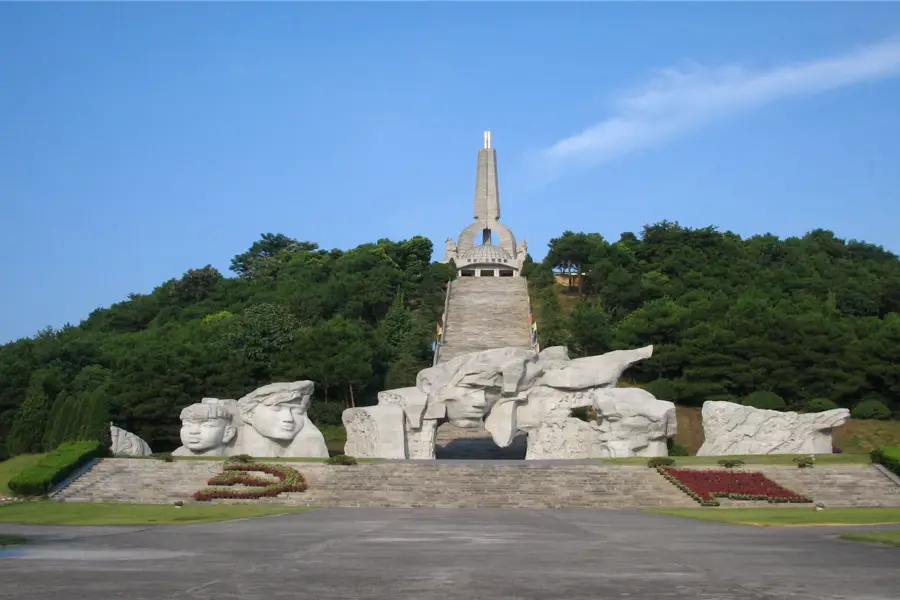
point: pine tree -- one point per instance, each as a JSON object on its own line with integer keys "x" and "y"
{"x": 28, "y": 424}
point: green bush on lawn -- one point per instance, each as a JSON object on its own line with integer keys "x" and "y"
{"x": 889, "y": 457}
{"x": 40, "y": 478}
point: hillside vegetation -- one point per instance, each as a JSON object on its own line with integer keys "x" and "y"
{"x": 355, "y": 322}
{"x": 812, "y": 318}
{"x": 801, "y": 323}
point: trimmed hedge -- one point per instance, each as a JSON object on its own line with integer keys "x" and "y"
{"x": 871, "y": 409}
{"x": 765, "y": 400}
{"x": 889, "y": 457}
{"x": 40, "y": 478}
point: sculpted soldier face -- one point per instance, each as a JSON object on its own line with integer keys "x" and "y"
{"x": 205, "y": 427}
{"x": 279, "y": 421}
{"x": 467, "y": 408}
{"x": 277, "y": 411}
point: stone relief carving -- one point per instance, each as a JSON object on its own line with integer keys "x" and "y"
{"x": 362, "y": 433}
{"x": 208, "y": 428}
{"x": 512, "y": 390}
{"x": 125, "y": 443}
{"x": 375, "y": 431}
{"x": 731, "y": 428}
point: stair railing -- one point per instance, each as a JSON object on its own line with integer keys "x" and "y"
{"x": 442, "y": 327}
{"x": 532, "y": 324}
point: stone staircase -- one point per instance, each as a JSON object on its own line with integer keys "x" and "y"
{"x": 837, "y": 485}
{"x": 485, "y": 313}
{"x": 439, "y": 484}
{"x": 468, "y": 484}
{"x": 140, "y": 480}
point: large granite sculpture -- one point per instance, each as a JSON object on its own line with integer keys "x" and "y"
{"x": 276, "y": 423}
{"x": 208, "y": 428}
{"x": 270, "y": 421}
{"x": 125, "y": 443}
{"x": 731, "y": 428}
{"x": 514, "y": 390}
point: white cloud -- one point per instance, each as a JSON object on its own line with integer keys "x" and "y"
{"x": 677, "y": 101}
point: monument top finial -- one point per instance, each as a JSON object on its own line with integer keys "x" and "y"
{"x": 487, "y": 139}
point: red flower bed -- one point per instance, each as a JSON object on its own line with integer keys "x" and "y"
{"x": 288, "y": 480}
{"x": 705, "y": 486}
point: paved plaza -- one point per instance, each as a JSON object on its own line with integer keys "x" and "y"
{"x": 429, "y": 554}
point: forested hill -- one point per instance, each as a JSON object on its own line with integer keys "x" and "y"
{"x": 812, "y": 318}
{"x": 355, "y": 322}
{"x": 806, "y": 318}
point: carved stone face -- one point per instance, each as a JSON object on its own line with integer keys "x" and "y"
{"x": 279, "y": 421}
{"x": 200, "y": 435}
{"x": 467, "y": 408}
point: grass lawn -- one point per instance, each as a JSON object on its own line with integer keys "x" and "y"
{"x": 865, "y": 435}
{"x": 11, "y": 540}
{"x": 891, "y": 538}
{"x": 11, "y": 467}
{"x": 778, "y": 516}
{"x": 62, "y": 513}
{"x": 759, "y": 459}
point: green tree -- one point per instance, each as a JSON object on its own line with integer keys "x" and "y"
{"x": 27, "y": 432}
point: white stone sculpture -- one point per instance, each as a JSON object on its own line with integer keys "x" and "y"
{"x": 125, "y": 443}
{"x": 402, "y": 425}
{"x": 450, "y": 251}
{"x": 276, "y": 423}
{"x": 208, "y": 428}
{"x": 630, "y": 421}
{"x": 731, "y": 428}
{"x": 512, "y": 390}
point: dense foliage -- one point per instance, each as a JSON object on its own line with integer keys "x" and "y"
{"x": 352, "y": 321}
{"x": 805, "y": 318}
{"x": 41, "y": 477}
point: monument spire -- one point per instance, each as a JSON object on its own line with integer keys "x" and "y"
{"x": 487, "y": 192}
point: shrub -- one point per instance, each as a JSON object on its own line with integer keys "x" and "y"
{"x": 729, "y": 463}
{"x": 766, "y": 400}
{"x": 820, "y": 405}
{"x": 40, "y": 478}
{"x": 163, "y": 456}
{"x": 888, "y": 457}
{"x": 660, "y": 461}
{"x": 871, "y": 409}
{"x": 676, "y": 449}
{"x": 664, "y": 389}
{"x": 806, "y": 461}
{"x": 341, "y": 459}
{"x": 240, "y": 459}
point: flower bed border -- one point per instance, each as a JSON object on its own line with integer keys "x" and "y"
{"x": 794, "y": 497}
{"x": 289, "y": 480}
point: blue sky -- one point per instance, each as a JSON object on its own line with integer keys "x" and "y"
{"x": 140, "y": 140}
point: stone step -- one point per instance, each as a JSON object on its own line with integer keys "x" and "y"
{"x": 486, "y": 313}
{"x": 436, "y": 484}
{"x": 469, "y": 484}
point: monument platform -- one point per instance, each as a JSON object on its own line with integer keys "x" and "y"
{"x": 469, "y": 484}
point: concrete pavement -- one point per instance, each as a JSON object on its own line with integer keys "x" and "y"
{"x": 431, "y": 554}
